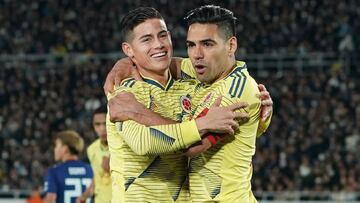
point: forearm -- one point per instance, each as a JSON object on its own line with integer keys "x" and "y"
{"x": 149, "y": 118}
{"x": 50, "y": 198}
{"x": 88, "y": 192}
{"x": 160, "y": 139}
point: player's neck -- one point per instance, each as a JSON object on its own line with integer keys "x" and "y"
{"x": 230, "y": 67}
{"x": 69, "y": 157}
{"x": 162, "y": 76}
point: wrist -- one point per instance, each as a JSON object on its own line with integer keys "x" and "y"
{"x": 201, "y": 125}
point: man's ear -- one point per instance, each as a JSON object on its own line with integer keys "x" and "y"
{"x": 232, "y": 45}
{"x": 126, "y": 47}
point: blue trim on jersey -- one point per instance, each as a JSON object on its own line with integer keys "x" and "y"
{"x": 129, "y": 83}
{"x": 215, "y": 191}
{"x": 185, "y": 76}
{"x": 239, "y": 78}
{"x": 129, "y": 182}
{"x": 243, "y": 85}
{"x": 119, "y": 125}
{"x": 237, "y": 70}
{"x": 151, "y": 168}
{"x": 161, "y": 135}
{"x": 157, "y": 84}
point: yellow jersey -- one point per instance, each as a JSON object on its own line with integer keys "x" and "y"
{"x": 146, "y": 164}
{"x": 223, "y": 173}
{"x": 96, "y": 151}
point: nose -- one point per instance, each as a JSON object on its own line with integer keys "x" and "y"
{"x": 103, "y": 128}
{"x": 159, "y": 44}
{"x": 198, "y": 52}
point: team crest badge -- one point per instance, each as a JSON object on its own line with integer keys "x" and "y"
{"x": 185, "y": 104}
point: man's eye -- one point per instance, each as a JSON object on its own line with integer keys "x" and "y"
{"x": 207, "y": 44}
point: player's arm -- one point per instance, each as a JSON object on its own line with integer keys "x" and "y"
{"x": 174, "y": 137}
{"x": 87, "y": 193}
{"x": 212, "y": 139}
{"x": 124, "y": 106}
{"x": 50, "y": 187}
{"x": 50, "y": 198}
{"x": 266, "y": 110}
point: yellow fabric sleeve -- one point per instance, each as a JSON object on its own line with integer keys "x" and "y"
{"x": 159, "y": 139}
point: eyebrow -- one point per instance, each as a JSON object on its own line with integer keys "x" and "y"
{"x": 207, "y": 40}
{"x": 202, "y": 41}
{"x": 144, "y": 36}
{"x": 150, "y": 35}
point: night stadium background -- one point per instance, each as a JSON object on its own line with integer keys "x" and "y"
{"x": 55, "y": 55}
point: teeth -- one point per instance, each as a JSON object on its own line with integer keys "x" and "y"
{"x": 159, "y": 54}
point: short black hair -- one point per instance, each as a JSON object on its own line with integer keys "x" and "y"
{"x": 212, "y": 14}
{"x": 101, "y": 109}
{"x": 134, "y": 18}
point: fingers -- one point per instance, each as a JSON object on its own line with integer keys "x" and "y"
{"x": 238, "y": 105}
{"x": 109, "y": 84}
{"x": 230, "y": 130}
{"x": 264, "y": 95}
{"x": 241, "y": 115}
{"x": 267, "y": 102}
{"x": 261, "y": 87}
{"x": 234, "y": 125}
{"x": 217, "y": 102}
{"x": 265, "y": 112}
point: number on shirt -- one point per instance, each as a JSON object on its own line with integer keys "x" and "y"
{"x": 77, "y": 184}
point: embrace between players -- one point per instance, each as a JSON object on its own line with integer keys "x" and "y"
{"x": 182, "y": 130}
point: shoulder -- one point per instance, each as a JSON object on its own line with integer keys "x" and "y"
{"x": 138, "y": 88}
{"x": 187, "y": 70}
{"x": 93, "y": 145}
{"x": 92, "y": 148}
{"x": 239, "y": 82}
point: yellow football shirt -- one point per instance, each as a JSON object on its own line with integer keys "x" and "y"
{"x": 96, "y": 151}
{"x": 223, "y": 173}
{"x": 139, "y": 173}
{"x": 188, "y": 72}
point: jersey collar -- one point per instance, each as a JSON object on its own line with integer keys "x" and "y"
{"x": 239, "y": 67}
{"x": 158, "y": 84}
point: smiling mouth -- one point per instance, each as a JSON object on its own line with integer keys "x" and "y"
{"x": 159, "y": 55}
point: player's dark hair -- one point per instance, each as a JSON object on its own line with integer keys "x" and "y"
{"x": 223, "y": 18}
{"x": 134, "y": 18}
{"x": 72, "y": 140}
{"x": 100, "y": 110}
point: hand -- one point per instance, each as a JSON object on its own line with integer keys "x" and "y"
{"x": 198, "y": 148}
{"x": 105, "y": 165}
{"x": 221, "y": 119}
{"x": 123, "y": 107}
{"x": 123, "y": 68}
{"x": 80, "y": 200}
{"x": 266, "y": 103}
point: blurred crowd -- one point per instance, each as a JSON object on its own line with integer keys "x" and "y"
{"x": 35, "y": 103}
{"x": 311, "y": 145}
{"x": 314, "y": 139}
{"x": 92, "y": 26}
